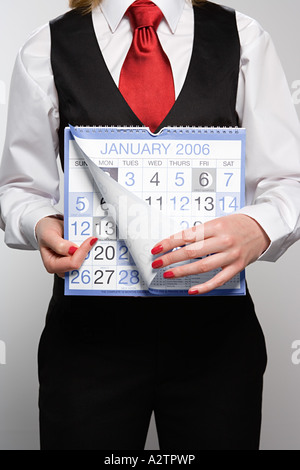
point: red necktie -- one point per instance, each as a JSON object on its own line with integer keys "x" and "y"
{"x": 146, "y": 79}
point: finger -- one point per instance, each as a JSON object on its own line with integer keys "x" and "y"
{"x": 188, "y": 252}
{"x": 205, "y": 265}
{"x": 217, "y": 281}
{"x": 57, "y": 244}
{"x": 55, "y": 263}
{"x": 83, "y": 251}
{"x": 179, "y": 239}
{"x": 185, "y": 237}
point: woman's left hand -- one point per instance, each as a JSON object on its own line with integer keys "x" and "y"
{"x": 233, "y": 242}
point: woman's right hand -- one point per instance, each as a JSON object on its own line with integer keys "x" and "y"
{"x": 60, "y": 255}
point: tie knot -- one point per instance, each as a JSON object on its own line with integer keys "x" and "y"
{"x": 143, "y": 13}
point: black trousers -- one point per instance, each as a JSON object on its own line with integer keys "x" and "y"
{"x": 106, "y": 363}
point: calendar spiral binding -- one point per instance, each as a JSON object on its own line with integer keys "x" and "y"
{"x": 169, "y": 129}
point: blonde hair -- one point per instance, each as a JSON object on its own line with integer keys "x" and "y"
{"x": 87, "y": 5}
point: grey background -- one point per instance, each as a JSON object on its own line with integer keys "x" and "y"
{"x": 25, "y": 287}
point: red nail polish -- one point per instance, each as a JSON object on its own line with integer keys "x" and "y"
{"x": 157, "y": 249}
{"x": 169, "y": 275}
{"x": 93, "y": 241}
{"x": 72, "y": 250}
{"x": 193, "y": 292}
{"x": 157, "y": 264}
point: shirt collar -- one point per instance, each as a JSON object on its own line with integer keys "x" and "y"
{"x": 114, "y": 10}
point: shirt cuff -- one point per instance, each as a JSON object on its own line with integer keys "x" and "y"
{"x": 29, "y": 223}
{"x": 267, "y": 217}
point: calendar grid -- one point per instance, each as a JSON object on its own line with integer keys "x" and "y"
{"x": 191, "y": 174}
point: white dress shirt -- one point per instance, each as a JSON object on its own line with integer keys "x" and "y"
{"x": 29, "y": 178}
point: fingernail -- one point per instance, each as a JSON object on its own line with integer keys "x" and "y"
{"x": 93, "y": 241}
{"x": 157, "y": 249}
{"x": 169, "y": 275}
{"x": 72, "y": 250}
{"x": 157, "y": 264}
{"x": 193, "y": 292}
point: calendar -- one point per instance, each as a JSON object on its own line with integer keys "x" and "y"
{"x": 131, "y": 189}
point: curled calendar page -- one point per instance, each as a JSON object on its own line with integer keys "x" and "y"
{"x": 139, "y": 225}
{"x": 131, "y": 189}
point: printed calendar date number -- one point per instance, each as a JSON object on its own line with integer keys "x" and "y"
{"x": 82, "y": 229}
{"x": 104, "y": 277}
{"x": 205, "y": 179}
{"x": 108, "y": 253}
{"x": 83, "y": 277}
{"x": 129, "y": 277}
{"x": 105, "y": 228}
{"x": 101, "y": 276}
{"x": 82, "y": 204}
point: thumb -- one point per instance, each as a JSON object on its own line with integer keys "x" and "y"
{"x": 49, "y": 232}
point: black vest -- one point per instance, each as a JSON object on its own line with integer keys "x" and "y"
{"x": 88, "y": 95}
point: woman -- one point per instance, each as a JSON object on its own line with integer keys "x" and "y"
{"x": 106, "y": 363}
